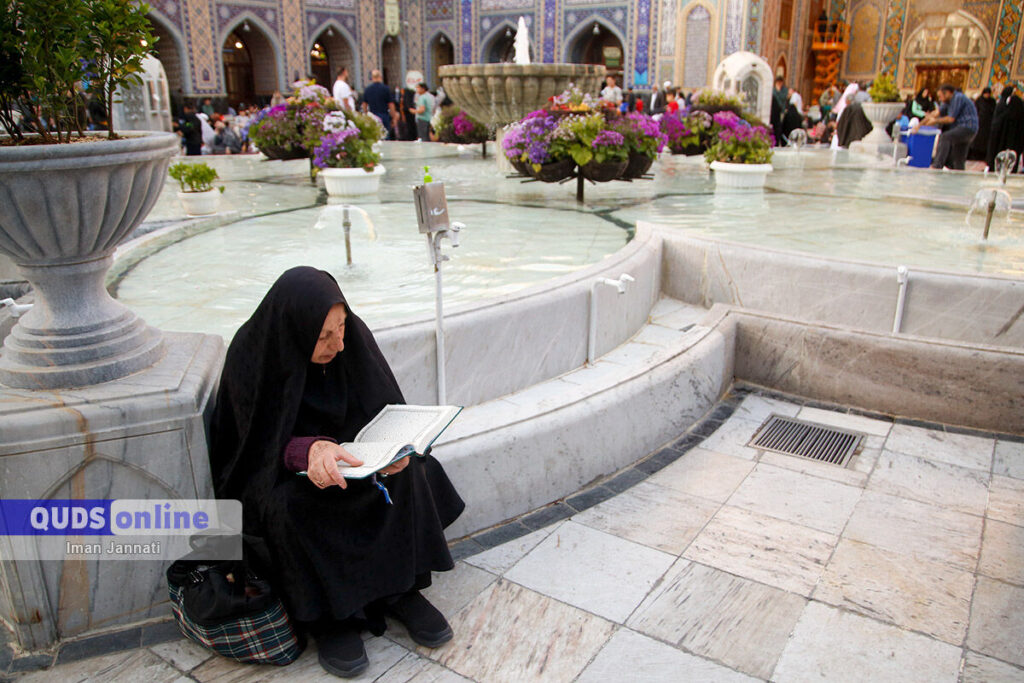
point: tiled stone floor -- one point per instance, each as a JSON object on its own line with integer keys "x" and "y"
{"x": 728, "y": 564}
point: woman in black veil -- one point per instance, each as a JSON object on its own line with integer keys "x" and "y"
{"x": 301, "y": 376}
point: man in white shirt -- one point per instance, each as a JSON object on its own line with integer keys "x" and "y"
{"x": 612, "y": 93}
{"x": 342, "y": 91}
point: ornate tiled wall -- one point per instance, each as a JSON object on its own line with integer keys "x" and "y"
{"x": 652, "y": 32}
{"x": 893, "y": 35}
{"x": 1006, "y": 38}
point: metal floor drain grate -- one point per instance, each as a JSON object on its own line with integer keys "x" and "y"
{"x": 804, "y": 439}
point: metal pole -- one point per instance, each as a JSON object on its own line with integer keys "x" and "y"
{"x": 579, "y": 185}
{"x": 902, "y": 277}
{"x": 988, "y": 215}
{"x": 347, "y": 225}
{"x": 434, "y": 240}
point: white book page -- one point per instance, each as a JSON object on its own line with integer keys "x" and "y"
{"x": 408, "y": 425}
{"x": 374, "y": 457}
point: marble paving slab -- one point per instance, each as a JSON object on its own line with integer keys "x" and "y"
{"x": 830, "y": 644}
{"x": 731, "y": 438}
{"x": 762, "y": 548}
{"x": 1002, "y": 552}
{"x": 704, "y": 473}
{"x": 857, "y": 423}
{"x": 759, "y": 408}
{"x": 918, "y": 529}
{"x": 511, "y": 634}
{"x": 908, "y": 591}
{"x": 738, "y": 622}
{"x": 843, "y": 475}
{"x": 864, "y": 461}
{"x": 501, "y": 558}
{"x": 795, "y": 497}
{"x": 592, "y": 570}
{"x": 1009, "y": 459}
{"x": 133, "y": 666}
{"x": 451, "y": 591}
{"x": 655, "y": 516}
{"x": 382, "y": 653}
{"x": 630, "y": 656}
{"x": 1006, "y": 500}
{"x": 997, "y": 621}
{"x": 413, "y": 668}
{"x": 929, "y": 481}
{"x": 961, "y": 450}
{"x": 183, "y": 655}
{"x": 982, "y": 669}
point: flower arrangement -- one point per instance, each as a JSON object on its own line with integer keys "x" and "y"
{"x": 528, "y": 140}
{"x": 455, "y": 125}
{"x": 346, "y": 140}
{"x": 609, "y": 145}
{"x": 298, "y": 123}
{"x": 574, "y": 138}
{"x": 642, "y": 134}
{"x": 716, "y": 100}
{"x": 883, "y": 89}
{"x": 738, "y": 142}
{"x": 573, "y": 100}
{"x": 677, "y": 130}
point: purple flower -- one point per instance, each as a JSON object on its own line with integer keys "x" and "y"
{"x": 462, "y": 124}
{"x": 332, "y": 147}
{"x": 608, "y": 138}
{"x": 728, "y": 119}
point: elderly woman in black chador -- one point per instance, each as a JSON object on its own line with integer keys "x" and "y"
{"x": 301, "y": 376}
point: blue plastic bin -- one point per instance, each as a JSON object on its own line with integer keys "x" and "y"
{"x": 921, "y": 145}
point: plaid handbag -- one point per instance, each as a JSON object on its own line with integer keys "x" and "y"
{"x": 239, "y": 619}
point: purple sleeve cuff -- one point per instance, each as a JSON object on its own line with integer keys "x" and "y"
{"x": 296, "y": 451}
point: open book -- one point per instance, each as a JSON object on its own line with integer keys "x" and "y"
{"x": 396, "y": 431}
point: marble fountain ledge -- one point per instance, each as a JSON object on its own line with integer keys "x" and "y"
{"x": 573, "y": 428}
{"x": 882, "y": 586}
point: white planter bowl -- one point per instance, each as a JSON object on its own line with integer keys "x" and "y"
{"x": 200, "y": 203}
{"x": 740, "y": 176}
{"x": 881, "y": 114}
{"x": 352, "y": 182}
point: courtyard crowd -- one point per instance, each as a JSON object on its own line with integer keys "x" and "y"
{"x": 971, "y": 129}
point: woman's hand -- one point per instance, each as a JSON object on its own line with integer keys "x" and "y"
{"x": 322, "y": 467}
{"x": 396, "y": 467}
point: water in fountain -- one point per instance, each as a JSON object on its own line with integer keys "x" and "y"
{"x": 522, "y": 43}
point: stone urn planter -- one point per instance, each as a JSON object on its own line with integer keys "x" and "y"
{"x": 554, "y": 171}
{"x": 881, "y": 114}
{"x": 352, "y": 182}
{"x": 65, "y": 209}
{"x": 639, "y": 164}
{"x": 200, "y": 203}
{"x": 730, "y": 176}
{"x": 603, "y": 171}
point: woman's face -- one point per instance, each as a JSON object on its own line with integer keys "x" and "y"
{"x": 332, "y": 335}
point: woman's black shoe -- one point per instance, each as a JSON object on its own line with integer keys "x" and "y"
{"x": 425, "y": 623}
{"x": 342, "y": 652}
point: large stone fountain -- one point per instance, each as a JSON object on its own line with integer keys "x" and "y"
{"x": 498, "y": 94}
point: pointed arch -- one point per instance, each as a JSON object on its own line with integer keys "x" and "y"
{"x": 578, "y": 39}
{"x": 172, "y": 52}
{"x": 495, "y": 40}
{"x": 341, "y": 51}
{"x": 266, "y": 52}
{"x": 440, "y": 52}
{"x": 697, "y": 47}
